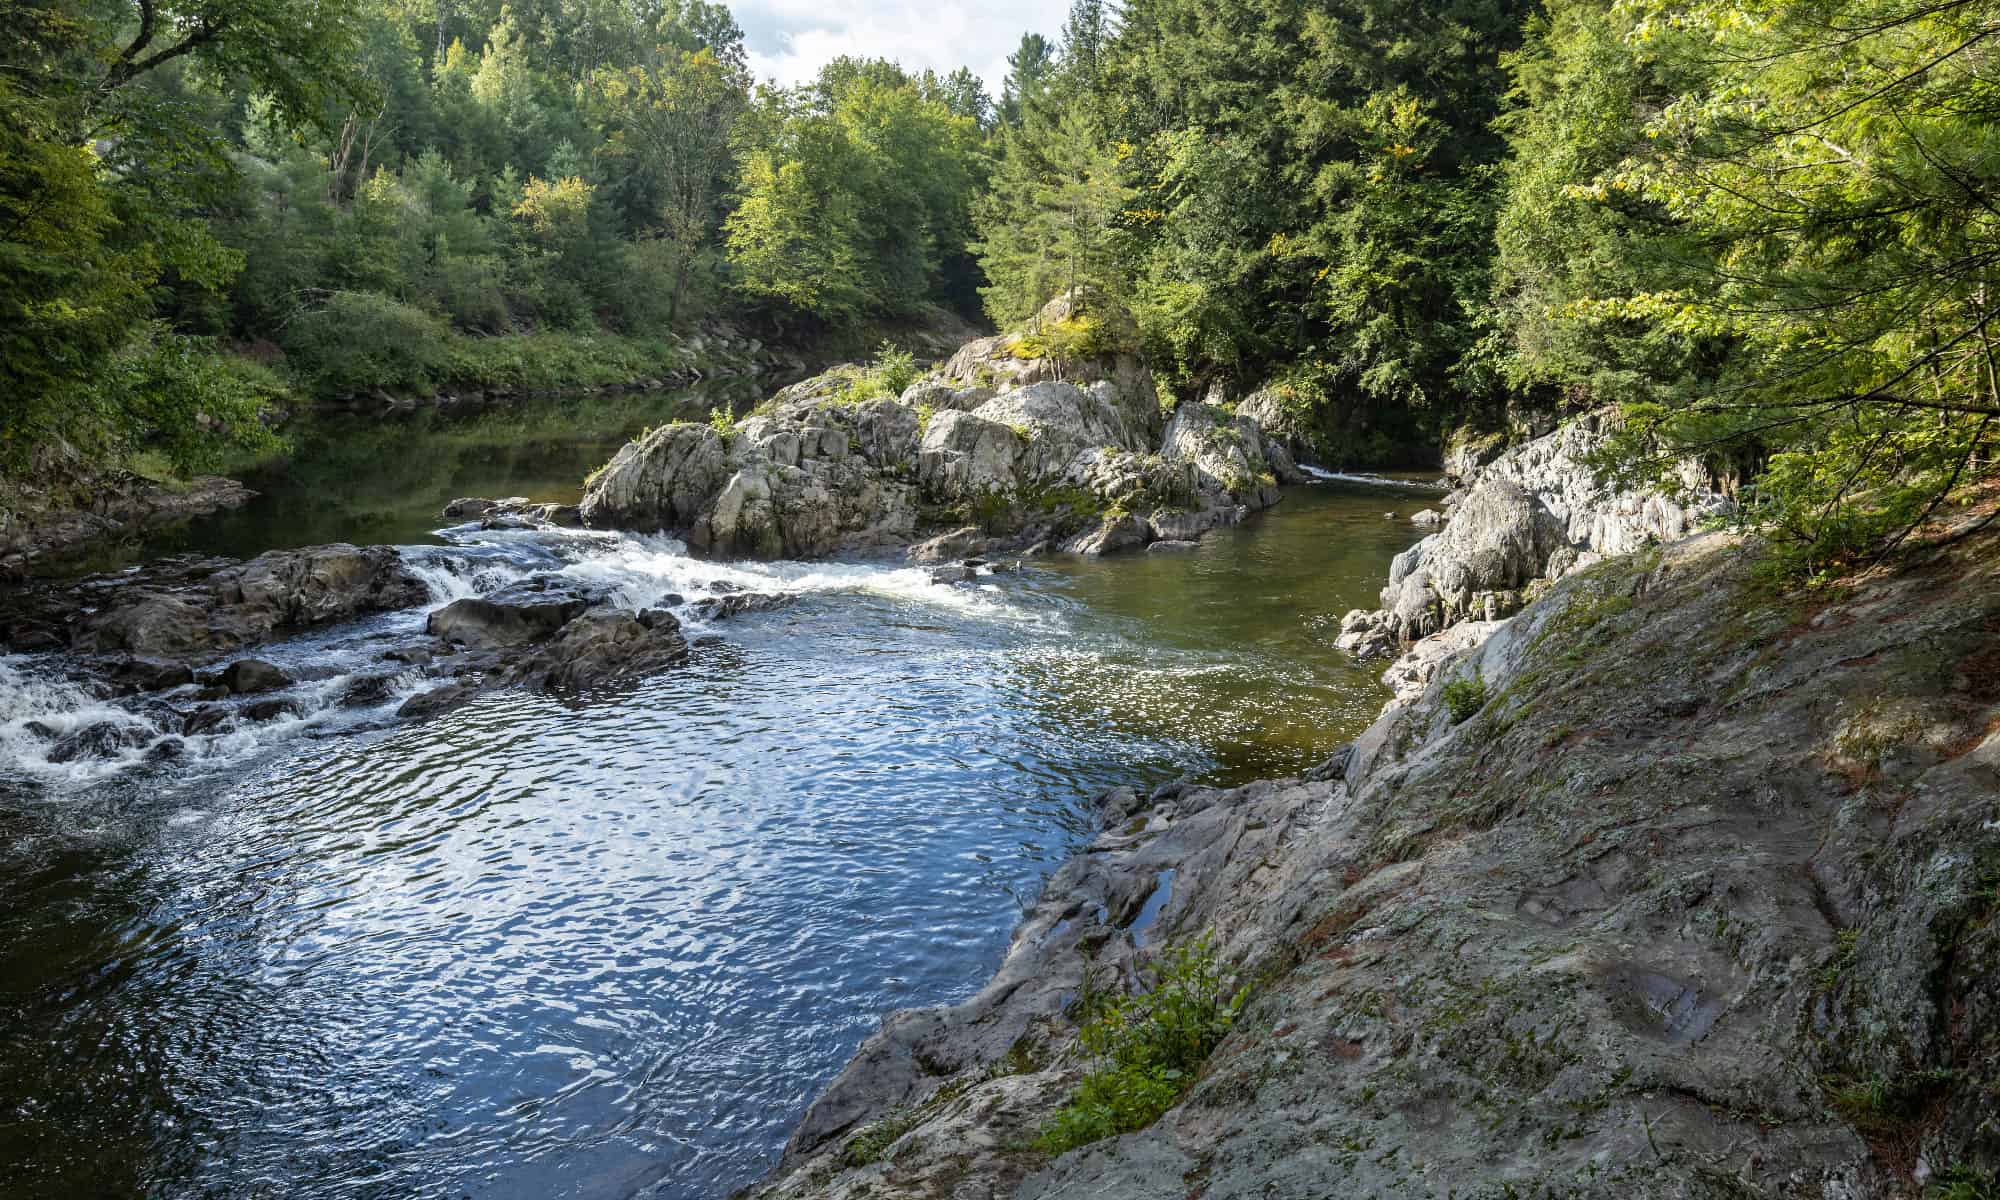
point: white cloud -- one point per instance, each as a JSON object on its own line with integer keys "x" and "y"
{"x": 790, "y": 40}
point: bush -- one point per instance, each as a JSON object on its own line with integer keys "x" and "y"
{"x": 1149, "y": 1047}
{"x": 897, "y": 369}
{"x": 1464, "y": 697}
{"x": 361, "y": 340}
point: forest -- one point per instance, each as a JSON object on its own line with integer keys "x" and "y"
{"x": 1768, "y": 230}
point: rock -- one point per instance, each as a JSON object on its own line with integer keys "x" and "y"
{"x": 1366, "y": 634}
{"x": 415, "y": 656}
{"x": 272, "y": 709}
{"x": 148, "y": 675}
{"x": 1429, "y": 517}
{"x": 248, "y": 676}
{"x": 1500, "y": 539}
{"x": 437, "y": 700}
{"x": 368, "y": 691}
{"x": 1112, "y": 535}
{"x": 42, "y": 524}
{"x": 663, "y": 480}
{"x": 104, "y": 739}
{"x": 1169, "y": 546}
{"x": 516, "y": 615}
{"x": 736, "y": 604}
{"x": 952, "y": 573}
{"x": 605, "y": 645}
{"x": 958, "y": 544}
{"x": 1029, "y": 457}
{"x": 206, "y": 719}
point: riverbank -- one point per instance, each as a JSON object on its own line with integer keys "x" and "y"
{"x": 1669, "y": 882}
{"x": 65, "y": 513}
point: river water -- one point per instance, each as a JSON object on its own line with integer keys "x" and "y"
{"x": 607, "y": 945}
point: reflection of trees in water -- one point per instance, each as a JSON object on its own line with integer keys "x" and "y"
{"x": 383, "y": 479}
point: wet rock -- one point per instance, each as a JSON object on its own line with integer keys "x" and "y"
{"x": 606, "y": 645}
{"x": 272, "y": 709}
{"x": 735, "y": 604}
{"x": 438, "y": 700}
{"x": 368, "y": 691}
{"x": 249, "y": 676}
{"x": 105, "y": 739}
{"x": 415, "y": 656}
{"x": 147, "y": 675}
{"x": 179, "y": 609}
{"x": 522, "y": 613}
{"x": 206, "y": 719}
{"x": 167, "y": 749}
{"x": 1112, "y": 535}
{"x": 952, "y": 573}
{"x": 1170, "y": 546}
{"x": 1429, "y": 518}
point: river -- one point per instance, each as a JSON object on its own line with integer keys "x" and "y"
{"x": 607, "y": 945}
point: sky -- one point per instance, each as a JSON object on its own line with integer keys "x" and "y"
{"x": 791, "y": 39}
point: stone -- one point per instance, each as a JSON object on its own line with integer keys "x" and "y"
{"x": 1169, "y": 546}
{"x": 248, "y": 676}
{"x": 437, "y": 700}
{"x": 1112, "y": 535}
{"x": 272, "y": 709}
{"x": 1635, "y": 927}
{"x": 104, "y": 739}
{"x": 952, "y": 573}
{"x": 516, "y": 615}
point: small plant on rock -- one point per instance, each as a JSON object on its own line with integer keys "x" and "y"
{"x": 1465, "y": 697}
{"x": 723, "y": 424}
{"x": 1149, "y": 1048}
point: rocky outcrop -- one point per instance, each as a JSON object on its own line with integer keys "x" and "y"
{"x": 190, "y": 608}
{"x": 1081, "y": 462}
{"x": 35, "y": 525}
{"x": 1665, "y": 886}
{"x": 1522, "y": 517}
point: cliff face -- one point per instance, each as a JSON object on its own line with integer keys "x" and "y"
{"x": 1692, "y": 895}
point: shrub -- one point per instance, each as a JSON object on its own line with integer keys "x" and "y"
{"x": 360, "y": 340}
{"x": 1148, "y": 1048}
{"x": 897, "y": 369}
{"x": 1464, "y": 697}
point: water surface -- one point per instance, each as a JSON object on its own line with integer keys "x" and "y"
{"x": 610, "y": 945}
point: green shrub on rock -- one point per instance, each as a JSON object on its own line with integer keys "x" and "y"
{"x": 1149, "y": 1048}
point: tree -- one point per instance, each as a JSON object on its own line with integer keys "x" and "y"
{"x": 1826, "y": 182}
{"x": 105, "y": 166}
{"x": 1029, "y": 69}
{"x": 670, "y": 126}
{"x": 1051, "y": 224}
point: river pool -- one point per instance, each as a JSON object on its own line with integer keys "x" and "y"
{"x": 608, "y": 945}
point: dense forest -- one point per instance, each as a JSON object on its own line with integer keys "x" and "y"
{"x": 1767, "y": 229}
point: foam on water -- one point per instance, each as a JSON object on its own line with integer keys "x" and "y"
{"x": 1371, "y": 480}
{"x": 42, "y": 708}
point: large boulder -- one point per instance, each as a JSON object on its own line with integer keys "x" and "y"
{"x": 661, "y": 480}
{"x": 180, "y": 611}
{"x": 1500, "y": 539}
{"x": 965, "y": 455}
{"x": 530, "y": 611}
